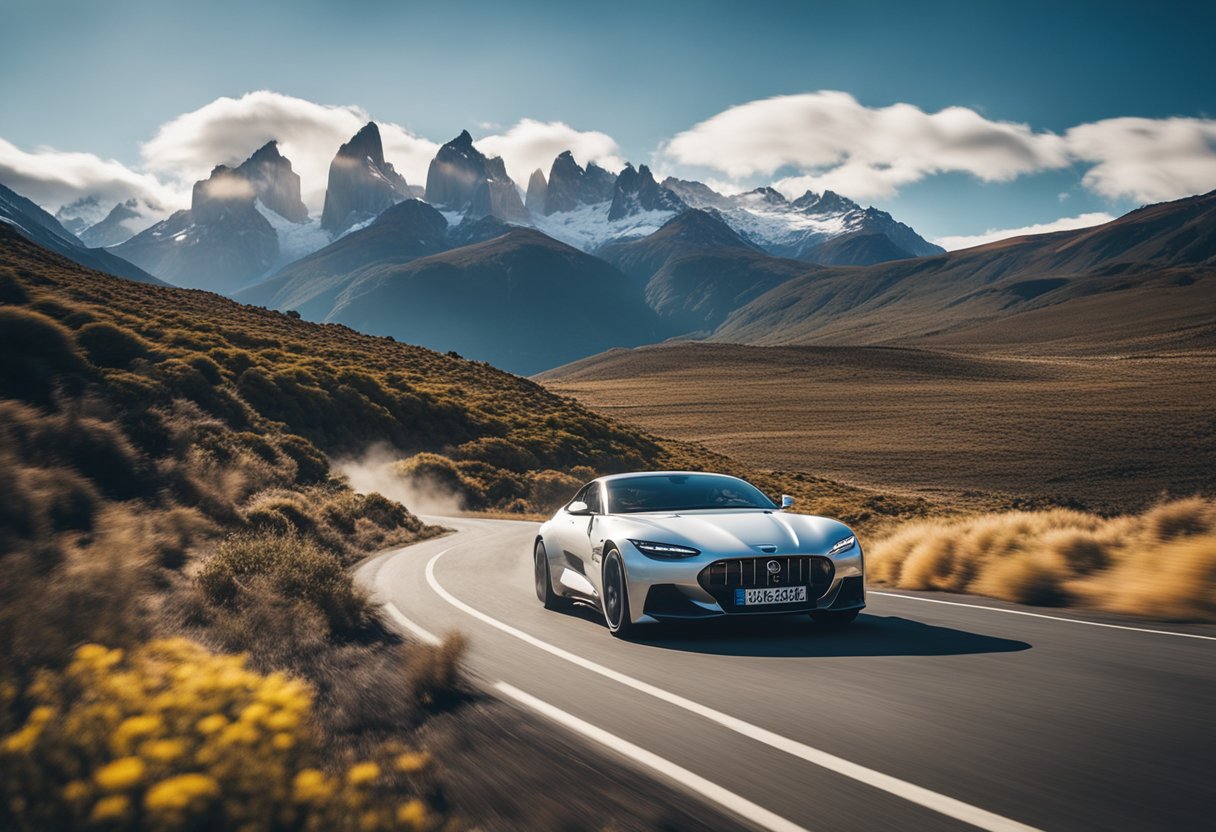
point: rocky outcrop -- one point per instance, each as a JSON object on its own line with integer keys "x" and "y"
{"x": 461, "y": 178}
{"x": 361, "y": 182}
{"x": 636, "y": 191}
{"x": 537, "y": 189}
{"x": 571, "y": 185}
{"x": 274, "y": 182}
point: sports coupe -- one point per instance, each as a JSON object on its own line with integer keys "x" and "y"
{"x": 677, "y": 546}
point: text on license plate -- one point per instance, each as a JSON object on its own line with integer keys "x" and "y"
{"x": 770, "y": 595}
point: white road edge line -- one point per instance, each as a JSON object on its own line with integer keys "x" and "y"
{"x": 949, "y": 806}
{"x": 1041, "y": 615}
{"x": 709, "y": 790}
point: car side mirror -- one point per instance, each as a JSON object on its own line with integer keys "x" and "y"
{"x": 786, "y": 502}
{"x": 578, "y": 507}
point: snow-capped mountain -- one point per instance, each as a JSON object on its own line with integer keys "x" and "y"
{"x": 803, "y": 228}
{"x": 125, "y": 220}
{"x": 78, "y": 215}
{"x": 23, "y": 217}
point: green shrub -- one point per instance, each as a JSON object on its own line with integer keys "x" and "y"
{"x": 108, "y": 345}
{"x": 311, "y": 464}
{"x": 12, "y": 293}
{"x": 295, "y": 568}
{"x": 37, "y": 352}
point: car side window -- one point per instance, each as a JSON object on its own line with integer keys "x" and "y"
{"x": 591, "y": 497}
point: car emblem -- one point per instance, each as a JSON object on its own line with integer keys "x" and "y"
{"x": 773, "y": 567}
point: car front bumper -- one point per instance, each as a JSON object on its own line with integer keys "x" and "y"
{"x": 680, "y": 590}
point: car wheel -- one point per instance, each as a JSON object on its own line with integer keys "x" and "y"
{"x": 616, "y": 598}
{"x": 544, "y": 583}
{"x": 829, "y": 618}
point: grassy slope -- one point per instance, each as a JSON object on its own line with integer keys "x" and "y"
{"x": 981, "y": 430}
{"x": 163, "y": 460}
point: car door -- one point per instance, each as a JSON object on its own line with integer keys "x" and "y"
{"x": 574, "y": 536}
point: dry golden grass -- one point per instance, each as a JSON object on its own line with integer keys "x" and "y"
{"x": 977, "y": 431}
{"x": 1160, "y": 563}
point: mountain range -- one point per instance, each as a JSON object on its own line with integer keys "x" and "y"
{"x": 33, "y": 223}
{"x": 586, "y": 259}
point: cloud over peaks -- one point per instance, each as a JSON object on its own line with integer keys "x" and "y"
{"x": 531, "y": 144}
{"x": 53, "y": 178}
{"x": 864, "y": 152}
{"x": 1148, "y": 160}
{"x": 228, "y": 130}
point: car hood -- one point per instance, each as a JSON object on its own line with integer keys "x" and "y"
{"x": 736, "y": 532}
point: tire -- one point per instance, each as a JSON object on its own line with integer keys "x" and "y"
{"x": 616, "y": 598}
{"x": 543, "y": 581}
{"x": 829, "y": 618}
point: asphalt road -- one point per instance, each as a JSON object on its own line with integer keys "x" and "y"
{"x": 922, "y": 715}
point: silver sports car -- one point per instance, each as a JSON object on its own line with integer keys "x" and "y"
{"x": 676, "y": 546}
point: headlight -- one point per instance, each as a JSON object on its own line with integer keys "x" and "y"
{"x": 664, "y": 550}
{"x": 843, "y": 545}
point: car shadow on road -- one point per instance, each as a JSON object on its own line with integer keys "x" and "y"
{"x": 799, "y": 637}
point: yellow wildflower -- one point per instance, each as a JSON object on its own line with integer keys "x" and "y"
{"x": 282, "y": 720}
{"x": 283, "y": 741}
{"x": 76, "y": 791}
{"x": 412, "y": 762}
{"x": 181, "y": 792}
{"x": 311, "y": 786}
{"x": 413, "y": 815}
{"x": 134, "y": 728}
{"x": 111, "y": 807}
{"x": 23, "y": 740}
{"x": 163, "y": 751}
{"x": 211, "y": 724}
{"x": 41, "y": 715}
{"x": 120, "y": 774}
{"x": 362, "y": 773}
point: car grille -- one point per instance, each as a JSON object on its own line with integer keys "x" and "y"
{"x": 722, "y": 577}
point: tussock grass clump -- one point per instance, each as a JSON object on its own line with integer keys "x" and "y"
{"x": 1160, "y": 563}
{"x": 292, "y": 566}
{"x": 171, "y": 736}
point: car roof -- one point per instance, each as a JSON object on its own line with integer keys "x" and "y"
{"x": 630, "y": 474}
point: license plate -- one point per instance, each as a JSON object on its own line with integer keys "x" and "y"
{"x": 770, "y": 595}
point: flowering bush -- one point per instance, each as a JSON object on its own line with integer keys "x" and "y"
{"x": 171, "y": 736}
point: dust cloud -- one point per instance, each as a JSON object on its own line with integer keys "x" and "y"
{"x": 375, "y": 471}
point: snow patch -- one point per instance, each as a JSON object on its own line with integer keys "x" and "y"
{"x": 587, "y": 227}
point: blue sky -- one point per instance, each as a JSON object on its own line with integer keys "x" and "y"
{"x": 103, "y": 78}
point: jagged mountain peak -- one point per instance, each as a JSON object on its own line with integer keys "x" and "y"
{"x": 571, "y": 185}
{"x": 462, "y": 178}
{"x": 274, "y": 182}
{"x": 636, "y": 191}
{"x": 361, "y": 182}
{"x": 538, "y": 188}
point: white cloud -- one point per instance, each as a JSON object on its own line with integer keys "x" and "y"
{"x": 531, "y": 144}
{"x": 860, "y": 151}
{"x": 994, "y": 234}
{"x": 53, "y": 178}
{"x": 1148, "y": 160}
{"x": 228, "y": 130}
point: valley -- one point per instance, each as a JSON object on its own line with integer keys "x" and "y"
{"x": 971, "y": 430}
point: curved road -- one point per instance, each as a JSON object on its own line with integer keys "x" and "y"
{"x": 923, "y": 715}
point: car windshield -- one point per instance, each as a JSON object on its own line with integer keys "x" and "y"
{"x": 682, "y": 492}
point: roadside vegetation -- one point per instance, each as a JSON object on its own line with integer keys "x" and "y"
{"x": 1160, "y": 563}
{"x": 170, "y": 513}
